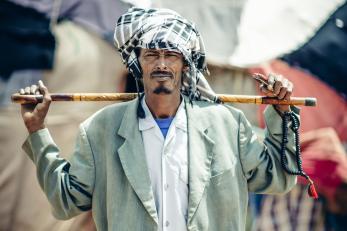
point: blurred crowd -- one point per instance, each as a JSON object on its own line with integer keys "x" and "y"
{"x": 69, "y": 45}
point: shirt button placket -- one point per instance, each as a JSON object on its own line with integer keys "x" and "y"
{"x": 164, "y": 180}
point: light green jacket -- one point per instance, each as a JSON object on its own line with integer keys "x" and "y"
{"x": 108, "y": 171}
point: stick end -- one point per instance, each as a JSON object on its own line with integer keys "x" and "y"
{"x": 311, "y": 102}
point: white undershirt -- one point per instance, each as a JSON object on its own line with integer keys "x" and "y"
{"x": 167, "y": 161}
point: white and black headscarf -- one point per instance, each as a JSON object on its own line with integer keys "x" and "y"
{"x": 164, "y": 29}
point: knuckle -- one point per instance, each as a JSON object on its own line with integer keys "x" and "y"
{"x": 279, "y": 83}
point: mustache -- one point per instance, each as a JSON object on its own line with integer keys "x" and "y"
{"x": 161, "y": 73}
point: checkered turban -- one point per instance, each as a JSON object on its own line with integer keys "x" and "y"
{"x": 164, "y": 29}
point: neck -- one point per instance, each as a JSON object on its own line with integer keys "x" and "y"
{"x": 163, "y": 106}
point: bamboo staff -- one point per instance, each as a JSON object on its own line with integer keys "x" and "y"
{"x": 252, "y": 99}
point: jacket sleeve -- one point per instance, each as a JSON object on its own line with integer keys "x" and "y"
{"x": 68, "y": 185}
{"x": 261, "y": 161}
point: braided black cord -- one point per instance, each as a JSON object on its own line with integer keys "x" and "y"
{"x": 284, "y": 161}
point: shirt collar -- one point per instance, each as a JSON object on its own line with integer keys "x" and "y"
{"x": 180, "y": 119}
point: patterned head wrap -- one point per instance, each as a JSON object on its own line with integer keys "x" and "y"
{"x": 164, "y": 29}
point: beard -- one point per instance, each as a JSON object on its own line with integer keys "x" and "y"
{"x": 162, "y": 89}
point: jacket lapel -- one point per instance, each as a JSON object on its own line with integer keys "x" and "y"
{"x": 200, "y": 154}
{"x": 133, "y": 160}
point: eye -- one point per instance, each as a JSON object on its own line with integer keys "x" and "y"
{"x": 173, "y": 54}
{"x": 150, "y": 54}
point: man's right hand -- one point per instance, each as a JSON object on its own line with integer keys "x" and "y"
{"x": 34, "y": 114}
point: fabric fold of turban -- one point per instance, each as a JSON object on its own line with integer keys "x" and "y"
{"x": 164, "y": 29}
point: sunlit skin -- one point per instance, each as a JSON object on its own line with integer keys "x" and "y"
{"x": 162, "y": 78}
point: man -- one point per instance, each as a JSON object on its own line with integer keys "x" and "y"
{"x": 170, "y": 160}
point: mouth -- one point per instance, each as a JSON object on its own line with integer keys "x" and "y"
{"x": 161, "y": 75}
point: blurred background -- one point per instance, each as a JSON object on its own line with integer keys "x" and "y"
{"x": 69, "y": 45}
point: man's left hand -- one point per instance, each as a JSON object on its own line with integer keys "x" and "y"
{"x": 278, "y": 87}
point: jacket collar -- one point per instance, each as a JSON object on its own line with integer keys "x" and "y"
{"x": 200, "y": 155}
{"x": 133, "y": 159}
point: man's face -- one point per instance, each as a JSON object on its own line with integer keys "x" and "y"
{"x": 162, "y": 71}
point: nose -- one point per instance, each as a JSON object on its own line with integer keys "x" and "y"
{"x": 161, "y": 63}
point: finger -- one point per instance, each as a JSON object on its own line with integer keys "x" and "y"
{"x": 263, "y": 88}
{"x": 27, "y": 90}
{"x": 267, "y": 92}
{"x": 261, "y": 79}
{"x": 45, "y": 93}
{"x": 43, "y": 88}
{"x": 287, "y": 96}
{"x": 278, "y": 84}
{"x": 289, "y": 91}
{"x": 270, "y": 87}
{"x": 33, "y": 89}
{"x": 21, "y": 91}
{"x": 282, "y": 93}
{"x": 271, "y": 82}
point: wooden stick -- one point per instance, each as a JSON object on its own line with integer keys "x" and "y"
{"x": 253, "y": 99}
